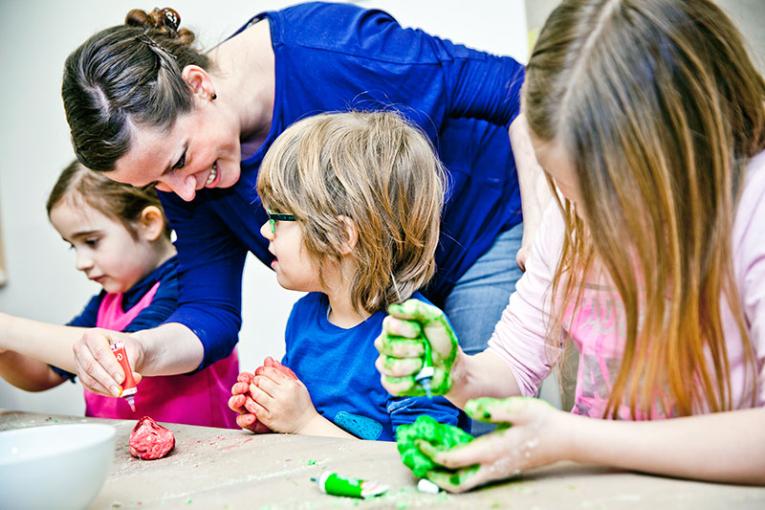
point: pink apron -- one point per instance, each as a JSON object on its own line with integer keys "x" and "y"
{"x": 200, "y": 398}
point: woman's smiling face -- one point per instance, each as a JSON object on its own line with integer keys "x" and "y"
{"x": 201, "y": 150}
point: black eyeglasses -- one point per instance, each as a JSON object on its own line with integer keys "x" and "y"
{"x": 274, "y": 217}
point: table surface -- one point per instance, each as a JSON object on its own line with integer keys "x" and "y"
{"x": 230, "y": 469}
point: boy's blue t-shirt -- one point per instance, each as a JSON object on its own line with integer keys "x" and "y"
{"x": 161, "y": 307}
{"x": 332, "y": 57}
{"x": 338, "y": 367}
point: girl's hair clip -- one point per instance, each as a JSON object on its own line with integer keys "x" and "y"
{"x": 171, "y": 17}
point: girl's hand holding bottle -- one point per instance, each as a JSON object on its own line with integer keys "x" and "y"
{"x": 402, "y": 347}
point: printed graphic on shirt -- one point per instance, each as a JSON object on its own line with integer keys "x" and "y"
{"x": 598, "y": 329}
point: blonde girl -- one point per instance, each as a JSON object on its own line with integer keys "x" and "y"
{"x": 649, "y": 118}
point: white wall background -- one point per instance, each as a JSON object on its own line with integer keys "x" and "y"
{"x": 35, "y": 39}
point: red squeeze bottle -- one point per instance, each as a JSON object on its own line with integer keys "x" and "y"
{"x": 128, "y": 385}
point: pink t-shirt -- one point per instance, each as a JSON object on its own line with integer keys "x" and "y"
{"x": 598, "y": 327}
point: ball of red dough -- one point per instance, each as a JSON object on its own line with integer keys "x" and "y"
{"x": 149, "y": 440}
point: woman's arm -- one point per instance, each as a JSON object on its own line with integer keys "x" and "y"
{"x": 379, "y": 63}
{"x": 210, "y": 264}
{"x": 535, "y": 192}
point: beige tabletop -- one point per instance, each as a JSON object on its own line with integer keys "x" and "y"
{"x": 228, "y": 469}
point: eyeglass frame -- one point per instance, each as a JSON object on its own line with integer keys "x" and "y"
{"x": 274, "y": 217}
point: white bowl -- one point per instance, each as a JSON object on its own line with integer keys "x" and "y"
{"x": 59, "y": 466}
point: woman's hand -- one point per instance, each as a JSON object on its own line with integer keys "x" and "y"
{"x": 280, "y": 402}
{"x": 536, "y": 436}
{"x": 98, "y": 368}
{"x": 402, "y": 347}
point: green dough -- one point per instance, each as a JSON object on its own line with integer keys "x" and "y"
{"x": 478, "y": 408}
{"x": 440, "y": 437}
{"x": 422, "y": 316}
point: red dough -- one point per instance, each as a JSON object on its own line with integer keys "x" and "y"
{"x": 149, "y": 440}
{"x": 240, "y": 393}
{"x": 272, "y": 363}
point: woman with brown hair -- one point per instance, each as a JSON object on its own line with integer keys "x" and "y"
{"x": 144, "y": 107}
{"x": 649, "y": 117}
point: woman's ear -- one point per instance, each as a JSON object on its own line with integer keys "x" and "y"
{"x": 350, "y": 235}
{"x": 200, "y": 82}
{"x": 152, "y": 223}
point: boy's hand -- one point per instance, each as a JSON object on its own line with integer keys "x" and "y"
{"x": 280, "y": 402}
{"x": 536, "y": 436}
{"x": 241, "y": 399}
{"x": 240, "y": 392}
{"x": 401, "y": 348}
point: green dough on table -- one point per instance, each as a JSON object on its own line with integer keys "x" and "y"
{"x": 439, "y": 436}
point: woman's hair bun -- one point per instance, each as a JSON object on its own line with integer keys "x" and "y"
{"x": 166, "y": 21}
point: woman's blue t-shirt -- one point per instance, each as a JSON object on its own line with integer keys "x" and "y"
{"x": 337, "y": 57}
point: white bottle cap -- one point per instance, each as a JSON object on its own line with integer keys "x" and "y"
{"x": 427, "y": 486}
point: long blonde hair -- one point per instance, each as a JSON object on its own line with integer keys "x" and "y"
{"x": 381, "y": 173}
{"x": 660, "y": 108}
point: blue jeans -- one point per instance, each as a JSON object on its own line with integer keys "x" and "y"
{"x": 478, "y": 299}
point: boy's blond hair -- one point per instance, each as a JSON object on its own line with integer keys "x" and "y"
{"x": 375, "y": 169}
